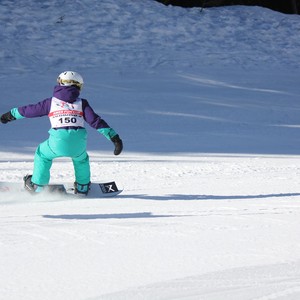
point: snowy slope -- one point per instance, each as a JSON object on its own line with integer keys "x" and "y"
{"x": 129, "y": 34}
{"x": 207, "y": 104}
{"x": 176, "y": 72}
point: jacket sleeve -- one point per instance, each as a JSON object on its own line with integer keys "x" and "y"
{"x": 95, "y": 121}
{"x": 39, "y": 109}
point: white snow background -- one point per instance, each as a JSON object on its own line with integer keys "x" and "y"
{"x": 207, "y": 104}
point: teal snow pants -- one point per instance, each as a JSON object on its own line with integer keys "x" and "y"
{"x": 62, "y": 143}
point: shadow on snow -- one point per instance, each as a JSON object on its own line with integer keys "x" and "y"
{"x": 141, "y": 215}
{"x": 208, "y": 197}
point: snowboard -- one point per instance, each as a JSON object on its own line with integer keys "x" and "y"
{"x": 97, "y": 189}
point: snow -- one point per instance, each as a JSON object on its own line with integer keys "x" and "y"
{"x": 207, "y": 104}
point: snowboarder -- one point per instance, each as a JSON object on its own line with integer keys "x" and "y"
{"x": 67, "y": 136}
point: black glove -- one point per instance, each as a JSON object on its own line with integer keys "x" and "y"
{"x": 118, "y": 144}
{"x": 7, "y": 117}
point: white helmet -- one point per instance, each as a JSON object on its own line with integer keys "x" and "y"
{"x": 68, "y": 78}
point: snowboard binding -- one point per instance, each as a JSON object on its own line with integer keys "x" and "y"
{"x": 30, "y": 186}
{"x": 82, "y": 189}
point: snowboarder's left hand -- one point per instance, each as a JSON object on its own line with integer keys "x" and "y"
{"x": 7, "y": 117}
{"x": 118, "y": 144}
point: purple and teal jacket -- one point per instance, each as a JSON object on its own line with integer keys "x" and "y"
{"x": 67, "y": 94}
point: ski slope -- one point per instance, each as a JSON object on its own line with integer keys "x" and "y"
{"x": 207, "y": 104}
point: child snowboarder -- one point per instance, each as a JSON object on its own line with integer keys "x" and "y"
{"x": 67, "y": 136}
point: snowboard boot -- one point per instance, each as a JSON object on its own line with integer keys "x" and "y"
{"x": 30, "y": 186}
{"x": 81, "y": 188}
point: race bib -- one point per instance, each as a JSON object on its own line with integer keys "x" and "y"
{"x": 65, "y": 114}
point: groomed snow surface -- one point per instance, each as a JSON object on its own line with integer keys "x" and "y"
{"x": 207, "y": 104}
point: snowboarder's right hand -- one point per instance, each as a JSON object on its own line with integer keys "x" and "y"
{"x": 118, "y": 144}
{"x": 7, "y": 117}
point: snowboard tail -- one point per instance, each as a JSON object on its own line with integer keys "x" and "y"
{"x": 107, "y": 189}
